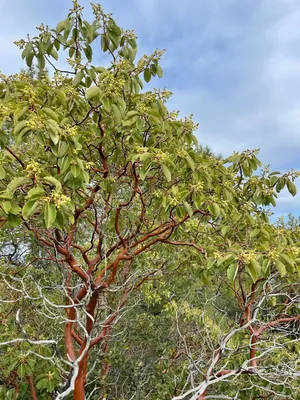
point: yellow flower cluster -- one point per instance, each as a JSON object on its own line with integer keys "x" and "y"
{"x": 161, "y": 156}
{"x": 33, "y": 168}
{"x": 59, "y": 199}
{"x": 42, "y": 28}
{"x": 142, "y": 63}
{"x": 22, "y": 358}
{"x": 50, "y": 375}
{"x": 71, "y": 92}
{"x": 181, "y": 153}
{"x": 111, "y": 84}
{"x": 192, "y": 224}
{"x": 76, "y": 6}
{"x": 70, "y": 130}
{"x": 246, "y": 256}
{"x": 142, "y": 109}
{"x": 188, "y": 124}
{"x": 97, "y": 10}
{"x": 293, "y": 249}
{"x": 29, "y": 94}
{"x": 20, "y": 43}
{"x": 198, "y": 187}
{"x": 157, "y": 193}
{"x": 173, "y": 115}
{"x": 89, "y": 164}
{"x": 145, "y": 61}
{"x": 4, "y": 110}
{"x": 272, "y": 255}
{"x": 268, "y": 191}
{"x": 148, "y": 97}
{"x": 163, "y": 94}
{"x": 35, "y": 122}
{"x": 140, "y": 149}
{"x": 75, "y": 63}
{"x": 246, "y": 207}
{"x": 173, "y": 201}
{"x": 122, "y": 65}
{"x": 129, "y": 34}
{"x": 59, "y": 78}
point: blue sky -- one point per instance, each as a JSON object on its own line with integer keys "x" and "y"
{"x": 234, "y": 64}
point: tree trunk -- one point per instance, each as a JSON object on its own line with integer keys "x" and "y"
{"x": 79, "y": 391}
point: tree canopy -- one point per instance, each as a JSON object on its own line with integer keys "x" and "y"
{"x": 117, "y": 227}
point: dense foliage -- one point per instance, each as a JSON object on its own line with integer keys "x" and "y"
{"x": 134, "y": 264}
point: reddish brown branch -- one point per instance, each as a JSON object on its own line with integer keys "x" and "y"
{"x": 31, "y": 387}
{"x": 15, "y": 156}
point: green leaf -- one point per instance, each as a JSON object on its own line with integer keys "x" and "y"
{"x": 132, "y": 121}
{"x": 2, "y": 172}
{"x": 117, "y": 113}
{"x": 78, "y": 78}
{"x": 60, "y": 26}
{"x": 42, "y": 384}
{"x": 54, "y": 53}
{"x": 53, "y": 130}
{"x": 50, "y": 113}
{"x": 49, "y": 214}
{"x": 60, "y": 219}
{"x": 159, "y": 71}
{"x": 52, "y": 181}
{"x": 227, "y": 259}
{"x": 50, "y": 386}
{"x": 61, "y": 97}
{"x": 92, "y": 93}
{"x": 266, "y": 267}
{"x": 147, "y": 74}
{"x": 29, "y": 208}
{"x": 35, "y": 193}
{"x": 6, "y": 205}
{"x": 145, "y": 156}
{"x": 214, "y": 209}
{"x": 292, "y": 188}
{"x": 287, "y": 260}
{"x": 54, "y": 136}
{"x": 254, "y": 269}
{"x": 121, "y": 105}
{"x": 15, "y": 208}
{"x": 76, "y": 170}
{"x": 28, "y": 49}
{"x": 62, "y": 149}
{"x": 29, "y": 59}
{"x": 15, "y": 183}
{"x": 188, "y": 208}
{"x": 19, "y": 113}
{"x": 131, "y": 114}
{"x": 166, "y": 172}
{"x": 210, "y": 262}
{"x": 232, "y": 271}
{"x": 14, "y": 220}
{"x": 254, "y": 233}
{"x": 190, "y": 162}
{"x": 280, "y": 268}
{"x": 88, "y": 52}
{"x": 280, "y": 184}
{"x": 19, "y": 126}
{"x": 21, "y": 370}
{"x": 41, "y": 61}
{"x": 107, "y": 103}
{"x": 6, "y": 195}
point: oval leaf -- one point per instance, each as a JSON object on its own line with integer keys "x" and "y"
{"x": 49, "y": 214}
